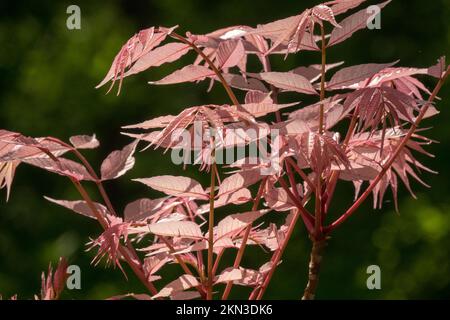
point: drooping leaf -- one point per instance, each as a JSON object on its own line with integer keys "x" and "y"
{"x": 64, "y": 167}
{"x": 374, "y": 149}
{"x": 7, "y": 171}
{"x": 109, "y": 243}
{"x": 80, "y": 207}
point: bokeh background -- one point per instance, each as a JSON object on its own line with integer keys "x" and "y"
{"x": 47, "y": 79}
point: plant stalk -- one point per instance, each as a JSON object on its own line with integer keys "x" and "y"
{"x": 247, "y": 231}
{"x": 315, "y": 261}
{"x": 211, "y": 228}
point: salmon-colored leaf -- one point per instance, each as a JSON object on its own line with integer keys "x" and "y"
{"x": 175, "y": 186}
{"x": 118, "y": 162}
{"x": 182, "y": 229}
{"x": 189, "y": 73}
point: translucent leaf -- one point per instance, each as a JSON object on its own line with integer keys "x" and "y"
{"x": 342, "y": 6}
{"x": 64, "y": 167}
{"x": 289, "y": 81}
{"x": 230, "y": 53}
{"x": 80, "y": 207}
{"x": 236, "y": 222}
{"x": 349, "y": 76}
{"x": 184, "y": 282}
{"x": 167, "y": 53}
{"x": 118, "y": 162}
{"x": 175, "y": 186}
{"x": 159, "y": 122}
{"x": 182, "y": 229}
{"x": 84, "y": 142}
{"x": 352, "y": 24}
{"x": 189, "y": 73}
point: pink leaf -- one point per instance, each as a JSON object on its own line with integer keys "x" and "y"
{"x": 182, "y": 229}
{"x": 159, "y": 122}
{"x": 342, "y": 6}
{"x": 347, "y": 77}
{"x": 438, "y": 70}
{"x": 175, "y": 186}
{"x": 137, "y": 46}
{"x": 184, "y": 282}
{"x": 255, "y": 96}
{"x": 118, "y": 162}
{"x": 164, "y": 54}
{"x": 238, "y": 181}
{"x": 7, "y": 171}
{"x": 142, "y": 209}
{"x": 289, "y": 81}
{"x": 278, "y": 199}
{"x": 62, "y": 167}
{"x": 84, "y": 142}
{"x": 236, "y": 222}
{"x": 390, "y": 74}
{"x": 230, "y": 53}
{"x": 261, "y": 109}
{"x": 229, "y": 274}
{"x": 313, "y": 72}
{"x": 352, "y": 24}
{"x": 285, "y": 31}
{"x": 189, "y": 73}
{"x": 239, "y": 82}
{"x": 325, "y": 13}
{"x": 240, "y": 196}
{"x": 80, "y": 207}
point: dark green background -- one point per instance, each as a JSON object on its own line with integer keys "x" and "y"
{"x": 47, "y": 79}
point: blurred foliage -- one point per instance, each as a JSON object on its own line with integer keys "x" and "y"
{"x": 47, "y": 88}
